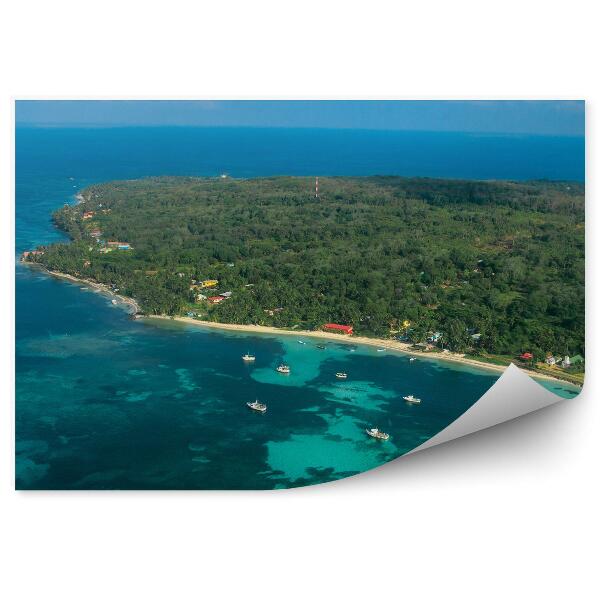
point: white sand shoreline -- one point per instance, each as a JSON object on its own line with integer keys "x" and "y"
{"x": 360, "y": 340}
{"x": 262, "y": 329}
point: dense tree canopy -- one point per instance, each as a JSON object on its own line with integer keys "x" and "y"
{"x": 500, "y": 259}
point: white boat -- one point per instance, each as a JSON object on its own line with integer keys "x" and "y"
{"x": 301, "y": 342}
{"x": 412, "y": 359}
{"x": 341, "y": 375}
{"x": 248, "y": 357}
{"x": 113, "y": 301}
{"x": 352, "y": 349}
{"x": 283, "y": 369}
{"x": 411, "y": 399}
{"x": 257, "y": 406}
{"x": 378, "y": 435}
{"x": 380, "y": 349}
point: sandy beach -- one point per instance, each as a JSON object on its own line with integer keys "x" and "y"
{"x": 354, "y": 339}
{"x": 394, "y": 345}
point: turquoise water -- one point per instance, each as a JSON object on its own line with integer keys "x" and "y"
{"x": 106, "y": 402}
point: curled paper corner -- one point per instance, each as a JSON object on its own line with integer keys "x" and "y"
{"x": 513, "y": 395}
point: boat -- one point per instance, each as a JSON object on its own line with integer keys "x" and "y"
{"x": 283, "y": 369}
{"x": 380, "y": 349}
{"x": 257, "y": 406}
{"x": 341, "y": 375}
{"x": 412, "y": 400}
{"x": 378, "y": 435}
{"x": 113, "y": 301}
{"x": 412, "y": 359}
{"x": 352, "y": 349}
{"x": 301, "y": 342}
{"x": 248, "y": 357}
{"x": 320, "y": 347}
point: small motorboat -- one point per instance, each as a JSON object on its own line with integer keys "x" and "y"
{"x": 248, "y": 357}
{"x": 257, "y": 406}
{"x": 378, "y": 435}
{"x": 341, "y": 375}
{"x": 412, "y": 359}
{"x": 283, "y": 369}
{"x": 352, "y": 349}
{"x": 320, "y": 347}
{"x": 380, "y": 349}
{"x": 301, "y": 342}
{"x": 113, "y": 301}
{"x": 411, "y": 399}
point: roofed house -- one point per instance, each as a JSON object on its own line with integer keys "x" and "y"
{"x": 346, "y": 329}
{"x": 119, "y": 245}
{"x": 526, "y": 356}
{"x": 88, "y": 214}
{"x": 215, "y": 299}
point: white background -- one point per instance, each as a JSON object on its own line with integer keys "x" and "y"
{"x": 507, "y": 513}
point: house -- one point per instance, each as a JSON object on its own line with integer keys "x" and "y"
{"x": 226, "y": 294}
{"x": 550, "y": 360}
{"x": 209, "y": 283}
{"x": 566, "y": 362}
{"x": 526, "y": 356}
{"x": 434, "y": 337}
{"x": 200, "y": 297}
{"x": 215, "y": 299}
{"x": 88, "y": 214}
{"x": 346, "y": 329}
{"x": 577, "y": 359}
{"x": 95, "y": 233}
{"x": 119, "y": 245}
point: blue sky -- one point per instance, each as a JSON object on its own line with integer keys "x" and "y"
{"x": 546, "y": 117}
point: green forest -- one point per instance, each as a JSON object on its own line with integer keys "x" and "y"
{"x": 492, "y": 266}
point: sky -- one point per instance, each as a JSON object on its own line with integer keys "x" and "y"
{"x": 547, "y": 117}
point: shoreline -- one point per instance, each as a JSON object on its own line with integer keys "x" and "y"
{"x": 394, "y": 345}
{"x": 101, "y": 287}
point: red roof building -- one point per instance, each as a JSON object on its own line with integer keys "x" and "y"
{"x": 347, "y": 329}
{"x": 216, "y": 299}
{"x": 526, "y": 356}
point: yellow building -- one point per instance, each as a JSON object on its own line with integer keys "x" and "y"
{"x": 209, "y": 283}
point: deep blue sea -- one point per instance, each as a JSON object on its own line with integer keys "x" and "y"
{"x": 104, "y": 402}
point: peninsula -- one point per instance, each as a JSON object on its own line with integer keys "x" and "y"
{"x": 493, "y": 270}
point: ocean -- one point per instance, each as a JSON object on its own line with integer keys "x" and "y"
{"x": 104, "y": 402}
